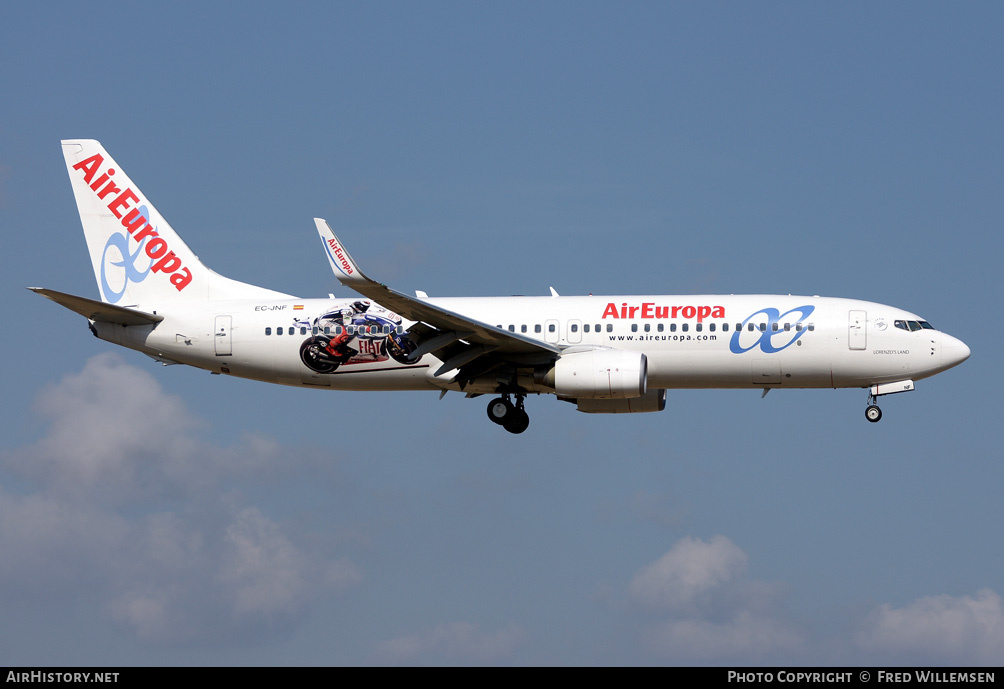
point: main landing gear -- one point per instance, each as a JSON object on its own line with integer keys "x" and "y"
{"x": 511, "y": 417}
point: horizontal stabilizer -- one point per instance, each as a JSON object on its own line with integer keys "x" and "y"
{"x": 98, "y": 310}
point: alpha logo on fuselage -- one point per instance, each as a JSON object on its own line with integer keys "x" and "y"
{"x": 765, "y": 336}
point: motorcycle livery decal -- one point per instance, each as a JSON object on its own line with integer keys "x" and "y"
{"x": 356, "y": 333}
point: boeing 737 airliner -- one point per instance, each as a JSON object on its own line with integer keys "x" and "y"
{"x": 604, "y": 354}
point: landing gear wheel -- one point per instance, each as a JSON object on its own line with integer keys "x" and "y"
{"x": 499, "y": 410}
{"x": 873, "y": 413}
{"x": 517, "y": 422}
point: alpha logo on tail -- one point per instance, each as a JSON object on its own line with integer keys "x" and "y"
{"x": 120, "y": 242}
{"x": 136, "y": 221}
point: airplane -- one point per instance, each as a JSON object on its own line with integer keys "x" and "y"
{"x": 604, "y": 354}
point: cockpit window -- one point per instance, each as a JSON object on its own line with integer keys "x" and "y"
{"x": 913, "y": 326}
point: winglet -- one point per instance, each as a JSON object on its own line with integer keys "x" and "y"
{"x": 342, "y": 265}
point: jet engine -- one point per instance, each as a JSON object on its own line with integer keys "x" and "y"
{"x": 603, "y": 374}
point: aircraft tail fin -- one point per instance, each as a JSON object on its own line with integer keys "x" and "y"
{"x": 137, "y": 256}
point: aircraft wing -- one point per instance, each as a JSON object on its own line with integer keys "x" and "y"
{"x": 98, "y": 310}
{"x": 456, "y": 339}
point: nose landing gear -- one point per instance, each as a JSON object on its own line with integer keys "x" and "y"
{"x": 872, "y": 412}
{"x": 511, "y": 417}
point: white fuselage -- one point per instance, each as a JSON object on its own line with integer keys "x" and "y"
{"x": 690, "y": 341}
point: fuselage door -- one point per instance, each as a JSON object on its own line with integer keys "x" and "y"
{"x": 857, "y": 329}
{"x": 221, "y": 337}
{"x": 551, "y": 331}
{"x": 574, "y": 334}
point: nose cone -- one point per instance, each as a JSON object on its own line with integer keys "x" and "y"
{"x": 954, "y": 351}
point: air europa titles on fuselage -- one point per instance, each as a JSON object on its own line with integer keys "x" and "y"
{"x": 164, "y": 260}
{"x": 652, "y": 310}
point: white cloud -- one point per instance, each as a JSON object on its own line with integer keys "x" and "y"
{"x": 114, "y": 434}
{"x": 709, "y": 609}
{"x": 452, "y": 642}
{"x": 267, "y": 573}
{"x": 104, "y": 524}
{"x": 746, "y": 635}
{"x": 962, "y": 629}
{"x": 690, "y": 568}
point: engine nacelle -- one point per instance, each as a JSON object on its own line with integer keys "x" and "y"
{"x": 603, "y": 374}
{"x": 653, "y": 400}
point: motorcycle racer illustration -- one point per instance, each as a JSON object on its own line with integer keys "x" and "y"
{"x": 354, "y": 334}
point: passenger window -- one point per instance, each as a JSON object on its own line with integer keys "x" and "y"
{"x": 798, "y": 327}
{"x": 648, "y": 327}
{"x": 773, "y": 326}
{"x": 512, "y": 328}
{"x": 278, "y": 331}
{"x": 610, "y": 327}
{"x": 536, "y": 328}
{"x": 672, "y": 327}
{"x": 751, "y": 327}
{"x": 314, "y": 329}
{"x": 268, "y": 331}
{"x": 787, "y": 327}
{"x": 686, "y": 327}
{"x": 574, "y": 328}
{"x": 711, "y": 327}
{"x": 551, "y": 328}
{"x": 634, "y": 327}
{"x": 699, "y": 327}
{"x": 763, "y": 327}
{"x": 585, "y": 328}
{"x": 725, "y": 327}
{"x": 660, "y": 327}
{"x": 812, "y": 326}
{"x": 522, "y": 328}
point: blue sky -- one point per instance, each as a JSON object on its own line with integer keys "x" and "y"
{"x": 161, "y": 515}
